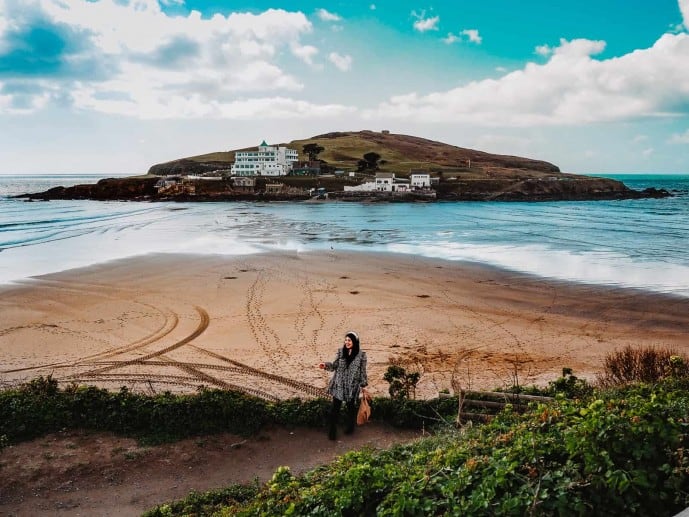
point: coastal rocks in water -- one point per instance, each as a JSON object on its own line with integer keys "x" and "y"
{"x": 106, "y": 189}
{"x": 556, "y": 188}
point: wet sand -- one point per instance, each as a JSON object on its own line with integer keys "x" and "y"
{"x": 262, "y": 323}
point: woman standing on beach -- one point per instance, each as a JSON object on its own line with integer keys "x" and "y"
{"x": 350, "y": 376}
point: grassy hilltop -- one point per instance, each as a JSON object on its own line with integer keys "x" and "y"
{"x": 398, "y": 154}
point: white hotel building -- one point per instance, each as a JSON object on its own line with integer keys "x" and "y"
{"x": 267, "y": 161}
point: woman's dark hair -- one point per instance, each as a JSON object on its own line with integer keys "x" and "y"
{"x": 355, "y": 348}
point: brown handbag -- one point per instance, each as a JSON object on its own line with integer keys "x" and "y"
{"x": 364, "y": 410}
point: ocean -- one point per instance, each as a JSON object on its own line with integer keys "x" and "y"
{"x": 631, "y": 243}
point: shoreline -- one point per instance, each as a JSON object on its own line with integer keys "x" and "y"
{"x": 262, "y": 322}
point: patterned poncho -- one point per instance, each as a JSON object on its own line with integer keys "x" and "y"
{"x": 348, "y": 379}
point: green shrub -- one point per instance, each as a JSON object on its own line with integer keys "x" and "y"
{"x": 205, "y": 503}
{"x": 620, "y": 453}
{"x": 402, "y": 383}
{"x": 570, "y": 386}
{"x": 39, "y": 407}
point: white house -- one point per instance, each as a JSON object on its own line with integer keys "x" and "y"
{"x": 266, "y": 161}
{"x": 385, "y": 181}
{"x": 420, "y": 180}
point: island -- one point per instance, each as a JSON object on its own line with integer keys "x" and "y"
{"x": 355, "y": 166}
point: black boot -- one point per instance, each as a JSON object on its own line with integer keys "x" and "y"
{"x": 351, "y": 417}
{"x": 332, "y": 423}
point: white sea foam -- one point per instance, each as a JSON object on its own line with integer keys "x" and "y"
{"x": 595, "y": 267}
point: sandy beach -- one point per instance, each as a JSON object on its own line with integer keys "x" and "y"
{"x": 262, "y": 323}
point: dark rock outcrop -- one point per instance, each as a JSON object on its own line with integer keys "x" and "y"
{"x": 555, "y": 188}
{"x": 106, "y": 189}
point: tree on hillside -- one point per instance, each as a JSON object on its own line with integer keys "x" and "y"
{"x": 313, "y": 150}
{"x": 372, "y": 160}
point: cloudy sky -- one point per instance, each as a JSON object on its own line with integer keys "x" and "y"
{"x": 113, "y": 86}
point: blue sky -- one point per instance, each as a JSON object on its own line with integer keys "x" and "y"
{"x": 114, "y": 86}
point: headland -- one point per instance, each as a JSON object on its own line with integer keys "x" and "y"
{"x": 339, "y": 165}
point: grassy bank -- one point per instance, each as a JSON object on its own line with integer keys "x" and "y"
{"x": 618, "y": 452}
{"x": 40, "y": 407}
{"x": 618, "y": 449}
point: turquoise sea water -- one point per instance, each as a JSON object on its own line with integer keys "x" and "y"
{"x": 635, "y": 243}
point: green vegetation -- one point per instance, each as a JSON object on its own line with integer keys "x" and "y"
{"x": 621, "y": 452}
{"x": 40, "y": 407}
{"x": 206, "y": 503}
{"x": 312, "y": 151}
{"x": 616, "y": 450}
{"x": 399, "y": 154}
{"x": 369, "y": 162}
{"x": 569, "y": 386}
{"x": 402, "y": 384}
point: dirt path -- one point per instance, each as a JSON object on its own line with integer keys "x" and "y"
{"x": 82, "y": 474}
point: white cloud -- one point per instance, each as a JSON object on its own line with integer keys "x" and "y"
{"x": 21, "y": 103}
{"x": 680, "y": 138}
{"x": 543, "y": 50}
{"x": 305, "y": 52}
{"x": 451, "y": 38}
{"x": 423, "y": 24}
{"x": 148, "y": 64}
{"x": 570, "y": 88}
{"x": 473, "y": 35}
{"x": 194, "y": 105}
{"x": 646, "y": 153}
{"x": 327, "y": 16}
{"x": 684, "y": 9}
{"x": 639, "y": 138}
{"x": 344, "y": 63}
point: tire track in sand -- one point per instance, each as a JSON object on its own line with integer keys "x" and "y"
{"x": 175, "y": 380}
{"x": 244, "y": 368}
{"x": 200, "y": 329}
